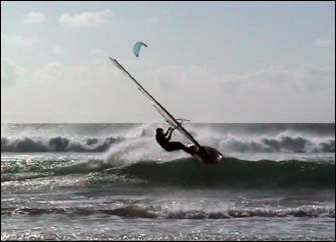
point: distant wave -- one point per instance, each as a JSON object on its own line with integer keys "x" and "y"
{"x": 280, "y": 143}
{"x": 57, "y": 144}
{"x": 153, "y": 212}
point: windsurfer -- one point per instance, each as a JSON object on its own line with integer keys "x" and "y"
{"x": 164, "y": 141}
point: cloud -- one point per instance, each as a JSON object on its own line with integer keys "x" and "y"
{"x": 57, "y": 50}
{"x": 169, "y": 75}
{"x": 94, "y": 91}
{"x": 314, "y": 78}
{"x": 9, "y": 73}
{"x": 21, "y": 41}
{"x": 34, "y": 18}
{"x": 59, "y": 92}
{"x": 161, "y": 17}
{"x": 85, "y": 20}
{"x": 325, "y": 43}
{"x": 98, "y": 52}
{"x": 308, "y": 78}
{"x": 154, "y": 20}
{"x": 304, "y": 79}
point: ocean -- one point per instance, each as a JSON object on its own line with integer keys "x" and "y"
{"x": 114, "y": 182}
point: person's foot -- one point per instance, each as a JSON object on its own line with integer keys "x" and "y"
{"x": 193, "y": 149}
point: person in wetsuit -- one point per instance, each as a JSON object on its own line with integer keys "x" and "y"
{"x": 164, "y": 141}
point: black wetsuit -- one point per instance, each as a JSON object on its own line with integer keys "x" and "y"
{"x": 163, "y": 140}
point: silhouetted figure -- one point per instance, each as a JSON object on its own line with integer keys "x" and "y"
{"x": 206, "y": 154}
{"x": 164, "y": 140}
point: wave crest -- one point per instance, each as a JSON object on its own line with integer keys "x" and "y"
{"x": 280, "y": 143}
{"x": 153, "y": 212}
{"x": 57, "y": 144}
{"x": 284, "y": 142}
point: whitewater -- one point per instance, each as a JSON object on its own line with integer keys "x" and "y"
{"x": 113, "y": 182}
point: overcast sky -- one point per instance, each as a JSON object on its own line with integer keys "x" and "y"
{"x": 206, "y": 61}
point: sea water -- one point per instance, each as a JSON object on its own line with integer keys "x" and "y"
{"x": 114, "y": 182}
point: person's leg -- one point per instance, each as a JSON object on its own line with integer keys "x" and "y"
{"x": 173, "y": 146}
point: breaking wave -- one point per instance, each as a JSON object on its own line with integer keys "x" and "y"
{"x": 152, "y": 212}
{"x": 227, "y": 143}
{"x": 280, "y": 143}
{"x": 57, "y": 144}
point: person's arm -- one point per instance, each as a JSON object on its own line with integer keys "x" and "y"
{"x": 169, "y": 133}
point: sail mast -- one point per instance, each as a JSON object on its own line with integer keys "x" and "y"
{"x": 145, "y": 92}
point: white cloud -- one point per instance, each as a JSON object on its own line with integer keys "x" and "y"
{"x": 9, "y": 73}
{"x": 154, "y": 20}
{"x": 34, "y": 18}
{"x": 86, "y": 19}
{"x": 325, "y": 43}
{"x": 96, "y": 91}
{"x": 57, "y": 50}
{"x": 314, "y": 78}
{"x": 161, "y": 17}
{"x": 169, "y": 75}
{"x": 98, "y": 52}
{"x": 307, "y": 78}
{"x": 21, "y": 41}
{"x": 60, "y": 92}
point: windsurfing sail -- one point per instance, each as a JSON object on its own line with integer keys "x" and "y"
{"x": 164, "y": 113}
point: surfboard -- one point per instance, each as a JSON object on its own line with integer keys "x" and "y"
{"x": 208, "y": 154}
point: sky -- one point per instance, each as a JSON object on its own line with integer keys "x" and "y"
{"x": 223, "y": 62}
